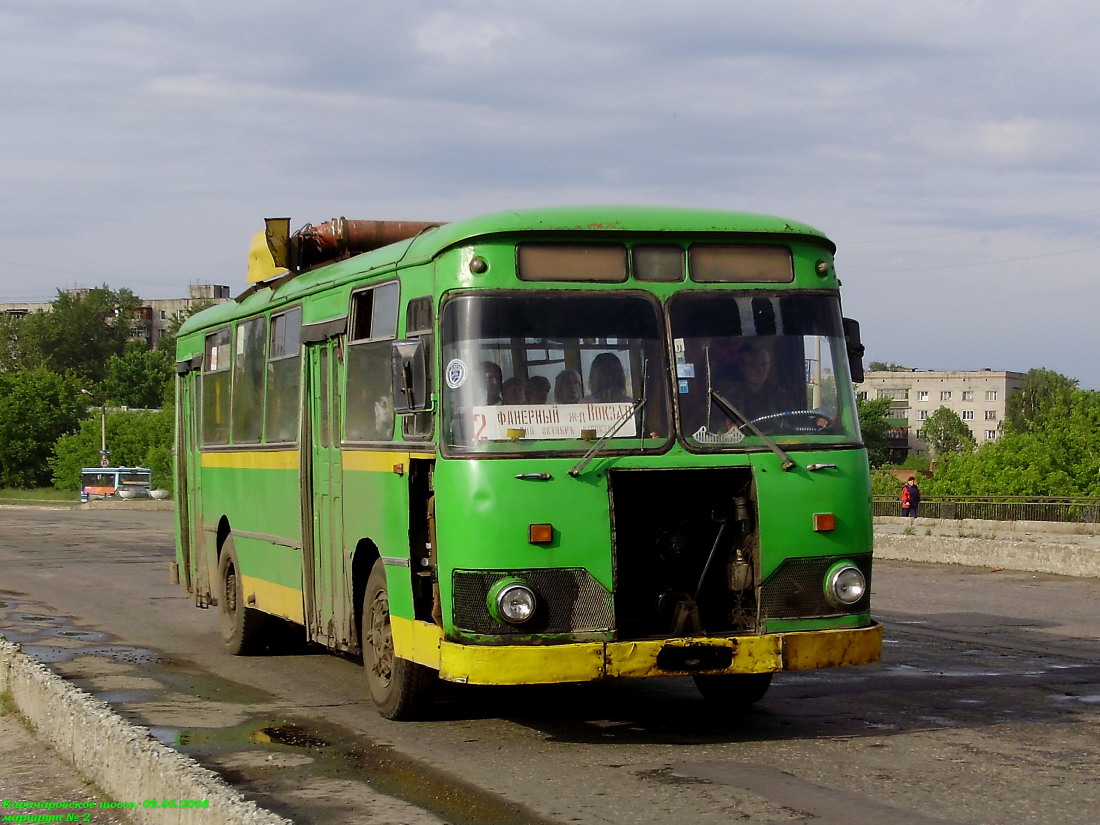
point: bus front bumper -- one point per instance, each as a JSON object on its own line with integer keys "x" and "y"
{"x": 589, "y": 661}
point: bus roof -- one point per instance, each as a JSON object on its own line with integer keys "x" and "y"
{"x": 115, "y": 470}
{"x": 432, "y": 242}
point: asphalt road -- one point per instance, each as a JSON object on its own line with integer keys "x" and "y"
{"x": 984, "y": 709}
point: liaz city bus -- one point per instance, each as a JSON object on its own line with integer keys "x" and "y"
{"x": 121, "y": 482}
{"x": 534, "y": 447}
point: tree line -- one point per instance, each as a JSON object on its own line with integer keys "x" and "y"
{"x": 63, "y": 369}
{"x": 1049, "y": 444}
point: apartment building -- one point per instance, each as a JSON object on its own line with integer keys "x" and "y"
{"x": 978, "y": 397}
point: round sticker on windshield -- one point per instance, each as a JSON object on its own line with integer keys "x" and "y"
{"x": 456, "y": 373}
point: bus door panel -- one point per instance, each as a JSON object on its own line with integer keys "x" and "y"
{"x": 188, "y": 497}
{"x": 328, "y": 616}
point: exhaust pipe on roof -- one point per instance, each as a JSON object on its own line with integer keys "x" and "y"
{"x": 339, "y": 238}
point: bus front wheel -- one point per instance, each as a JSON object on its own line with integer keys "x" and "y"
{"x": 242, "y": 627}
{"x": 400, "y": 689}
{"x": 735, "y": 691}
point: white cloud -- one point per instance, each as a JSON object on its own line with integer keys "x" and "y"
{"x": 463, "y": 39}
{"x": 1016, "y": 142}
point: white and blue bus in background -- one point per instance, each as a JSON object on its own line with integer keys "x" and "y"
{"x": 115, "y": 482}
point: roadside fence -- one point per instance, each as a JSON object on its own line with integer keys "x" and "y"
{"x": 997, "y": 508}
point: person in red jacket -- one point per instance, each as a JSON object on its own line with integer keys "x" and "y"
{"x": 910, "y": 498}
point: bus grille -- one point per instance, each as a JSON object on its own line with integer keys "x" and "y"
{"x": 796, "y": 589}
{"x": 572, "y": 602}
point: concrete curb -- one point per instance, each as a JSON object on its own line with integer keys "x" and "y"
{"x": 128, "y": 504}
{"x": 122, "y": 759}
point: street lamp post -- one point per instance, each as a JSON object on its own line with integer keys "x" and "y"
{"x": 103, "y": 451}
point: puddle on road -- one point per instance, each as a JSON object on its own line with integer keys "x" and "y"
{"x": 270, "y": 756}
{"x": 294, "y": 736}
{"x": 261, "y": 754}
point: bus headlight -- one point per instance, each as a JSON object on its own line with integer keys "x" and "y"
{"x": 845, "y": 584}
{"x": 512, "y": 601}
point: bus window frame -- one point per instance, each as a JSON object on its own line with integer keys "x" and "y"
{"x": 239, "y": 327}
{"x": 356, "y": 348}
{"x": 641, "y": 444}
{"x": 211, "y": 368}
{"x": 419, "y": 425}
{"x": 847, "y": 414}
{"x": 270, "y": 367}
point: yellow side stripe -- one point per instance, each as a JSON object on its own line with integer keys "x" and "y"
{"x": 277, "y": 599}
{"x": 252, "y": 460}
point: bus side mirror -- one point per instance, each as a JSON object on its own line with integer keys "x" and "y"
{"x": 855, "y": 349}
{"x": 409, "y": 363}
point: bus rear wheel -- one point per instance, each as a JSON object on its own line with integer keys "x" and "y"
{"x": 243, "y": 628}
{"x": 735, "y": 691}
{"x": 400, "y": 689}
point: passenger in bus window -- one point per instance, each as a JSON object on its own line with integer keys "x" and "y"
{"x": 606, "y": 380}
{"x": 538, "y": 389}
{"x": 494, "y": 380}
{"x": 568, "y": 388}
{"x": 512, "y": 391}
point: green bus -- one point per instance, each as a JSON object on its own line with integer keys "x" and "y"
{"x": 533, "y": 447}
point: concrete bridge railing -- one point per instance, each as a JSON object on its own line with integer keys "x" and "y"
{"x": 1064, "y": 549}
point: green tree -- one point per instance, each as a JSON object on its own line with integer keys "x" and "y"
{"x": 885, "y": 483}
{"x": 889, "y": 366}
{"x": 12, "y": 355}
{"x": 137, "y": 377}
{"x": 136, "y": 438}
{"x": 37, "y": 407}
{"x": 1041, "y": 394}
{"x": 1058, "y": 455}
{"x": 945, "y": 433}
{"x": 874, "y": 426}
{"x": 81, "y": 331}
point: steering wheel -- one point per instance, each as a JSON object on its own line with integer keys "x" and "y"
{"x": 811, "y": 422}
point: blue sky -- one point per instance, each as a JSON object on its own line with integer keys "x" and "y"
{"x": 949, "y": 148}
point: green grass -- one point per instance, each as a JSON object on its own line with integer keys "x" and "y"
{"x": 43, "y": 495}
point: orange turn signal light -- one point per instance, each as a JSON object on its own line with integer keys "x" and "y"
{"x": 824, "y": 522}
{"x": 540, "y": 533}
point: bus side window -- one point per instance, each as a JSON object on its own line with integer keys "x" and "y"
{"x": 418, "y": 323}
{"x": 369, "y": 415}
{"x": 284, "y": 376}
{"x": 248, "y": 381}
{"x": 215, "y": 388}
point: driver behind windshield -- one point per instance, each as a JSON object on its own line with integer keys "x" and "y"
{"x": 742, "y": 374}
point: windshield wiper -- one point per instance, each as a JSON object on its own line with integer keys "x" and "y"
{"x": 587, "y": 457}
{"x": 578, "y": 468}
{"x": 733, "y": 412}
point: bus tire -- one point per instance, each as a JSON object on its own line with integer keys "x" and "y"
{"x": 242, "y": 627}
{"x": 734, "y": 691}
{"x": 400, "y": 689}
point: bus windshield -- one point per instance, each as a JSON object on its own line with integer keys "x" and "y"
{"x": 526, "y": 371}
{"x": 776, "y": 363}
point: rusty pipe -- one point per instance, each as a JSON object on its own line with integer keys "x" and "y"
{"x": 340, "y": 237}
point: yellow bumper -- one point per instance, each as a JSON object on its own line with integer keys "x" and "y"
{"x": 588, "y": 661}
